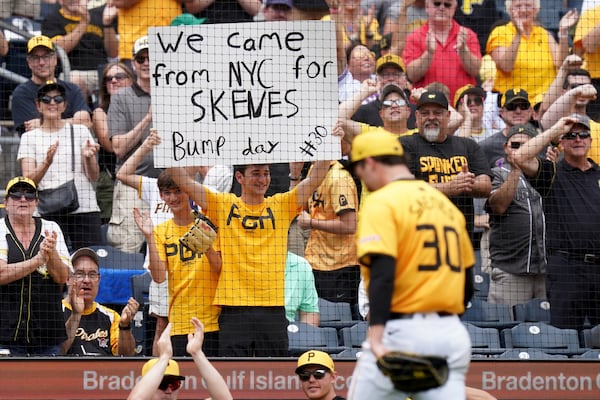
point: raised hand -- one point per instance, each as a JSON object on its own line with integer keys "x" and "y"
{"x": 129, "y": 311}
{"x": 196, "y": 339}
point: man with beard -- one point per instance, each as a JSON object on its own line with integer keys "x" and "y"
{"x": 455, "y": 166}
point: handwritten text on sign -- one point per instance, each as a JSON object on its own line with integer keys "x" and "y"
{"x": 244, "y": 93}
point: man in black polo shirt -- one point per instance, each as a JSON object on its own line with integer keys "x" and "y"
{"x": 571, "y": 192}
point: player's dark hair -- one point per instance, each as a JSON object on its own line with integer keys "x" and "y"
{"x": 165, "y": 182}
{"x": 392, "y": 160}
{"x": 575, "y": 72}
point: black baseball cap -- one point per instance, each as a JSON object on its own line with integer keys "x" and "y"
{"x": 521, "y": 129}
{"x": 433, "y": 97}
{"x": 512, "y": 95}
{"x": 50, "y": 86}
{"x": 391, "y": 88}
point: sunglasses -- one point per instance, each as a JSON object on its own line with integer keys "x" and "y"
{"x": 520, "y": 106}
{"x": 118, "y": 76}
{"x": 141, "y": 59}
{"x": 318, "y": 374}
{"x": 28, "y": 194}
{"x": 173, "y": 384}
{"x": 48, "y": 99}
{"x": 474, "y": 101}
{"x": 573, "y": 135}
{"x": 437, "y": 4}
{"x": 389, "y": 103}
{"x": 515, "y": 145}
{"x": 574, "y": 85}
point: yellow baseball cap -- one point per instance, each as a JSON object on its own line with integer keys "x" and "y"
{"x": 389, "y": 59}
{"x": 21, "y": 181}
{"x": 375, "y": 142}
{"x": 40, "y": 40}
{"x": 172, "y": 368}
{"x": 315, "y": 357}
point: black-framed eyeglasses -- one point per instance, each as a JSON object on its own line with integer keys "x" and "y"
{"x": 520, "y": 106}
{"x": 573, "y": 135}
{"x": 45, "y": 57}
{"x": 80, "y": 275}
{"x": 515, "y": 145}
{"x": 29, "y": 195}
{"x": 388, "y": 75}
{"x": 389, "y": 103}
{"x": 437, "y": 4}
{"x": 574, "y": 85}
{"x": 118, "y": 76}
{"x": 476, "y": 100}
{"x": 49, "y": 99}
{"x": 317, "y": 373}
{"x": 173, "y": 384}
{"x": 141, "y": 59}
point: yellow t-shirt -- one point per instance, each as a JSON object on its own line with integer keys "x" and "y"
{"x": 253, "y": 242}
{"x": 588, "y": 21}
{"x": 337, "y": 194}
{"x": 134, "y": 22}
{"x": 534, "y": 68}
{"x": 192, "y": 285}
{"x": 426, "y": 234}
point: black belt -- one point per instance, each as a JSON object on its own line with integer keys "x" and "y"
{"x": 395, "y": 315}
{"x": 587, "y": 258}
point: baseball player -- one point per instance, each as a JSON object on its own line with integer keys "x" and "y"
{"x": 317, "y": 375}
{"x": 416, "y": 260}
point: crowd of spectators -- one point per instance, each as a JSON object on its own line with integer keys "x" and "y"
{"x": 517, "y": 147}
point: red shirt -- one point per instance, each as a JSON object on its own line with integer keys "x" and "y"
{"x": 446, "y": 66}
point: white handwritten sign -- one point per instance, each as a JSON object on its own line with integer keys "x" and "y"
{"x": 244, "y": 93}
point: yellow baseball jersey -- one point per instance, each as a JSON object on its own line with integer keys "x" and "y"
{"x": 426, "y": 234}
{"x": 253, "y": 242}
{"x": 192, "y": 285}
{"x": 594, "y": 152}
{"x": 534, "y": 68}
{"x": 588, "y": 21}
{"x": 328, "y": 251}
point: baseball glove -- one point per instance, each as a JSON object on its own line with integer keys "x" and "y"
{"x": 411, "y": 373}
{"x": 201, "y": 235}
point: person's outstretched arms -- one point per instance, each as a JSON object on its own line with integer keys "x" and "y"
{"x": 215, "y": 384}
{"x": 145, "y": 388}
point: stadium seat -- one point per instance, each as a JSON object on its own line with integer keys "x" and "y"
{"x": 529, "y": 354}
{"x": 589, "y": 355}
{"x": 143, "y": 325}
{"x": 535, "y": 310}
{"x": 481, "y": 284}
{"x": 591, "y": 337}
{"x": 353, "y": 354}
{"x": 539, "y": 335}
{"x": 484, "y": 340}
{"x": 335, "y": 315}
{"x": 488, "y": 315}
{"x": 116, "y": 269}
{"x": 303, "y": 337}
{"x": 354, "y": 336}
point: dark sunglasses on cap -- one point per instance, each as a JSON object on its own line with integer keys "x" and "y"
{"x": 520, "y": 106}
{"x": 389, "y": 103}
{"x": 29, "y": 195}
{"x": 437, "y": 4}
{"x": 573, "y": 135}
{"x": 173, "y": 384}
{"x": 317, "y": 373}
{"x": 48, "y": 99}
{"x": 118, "y": 76}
